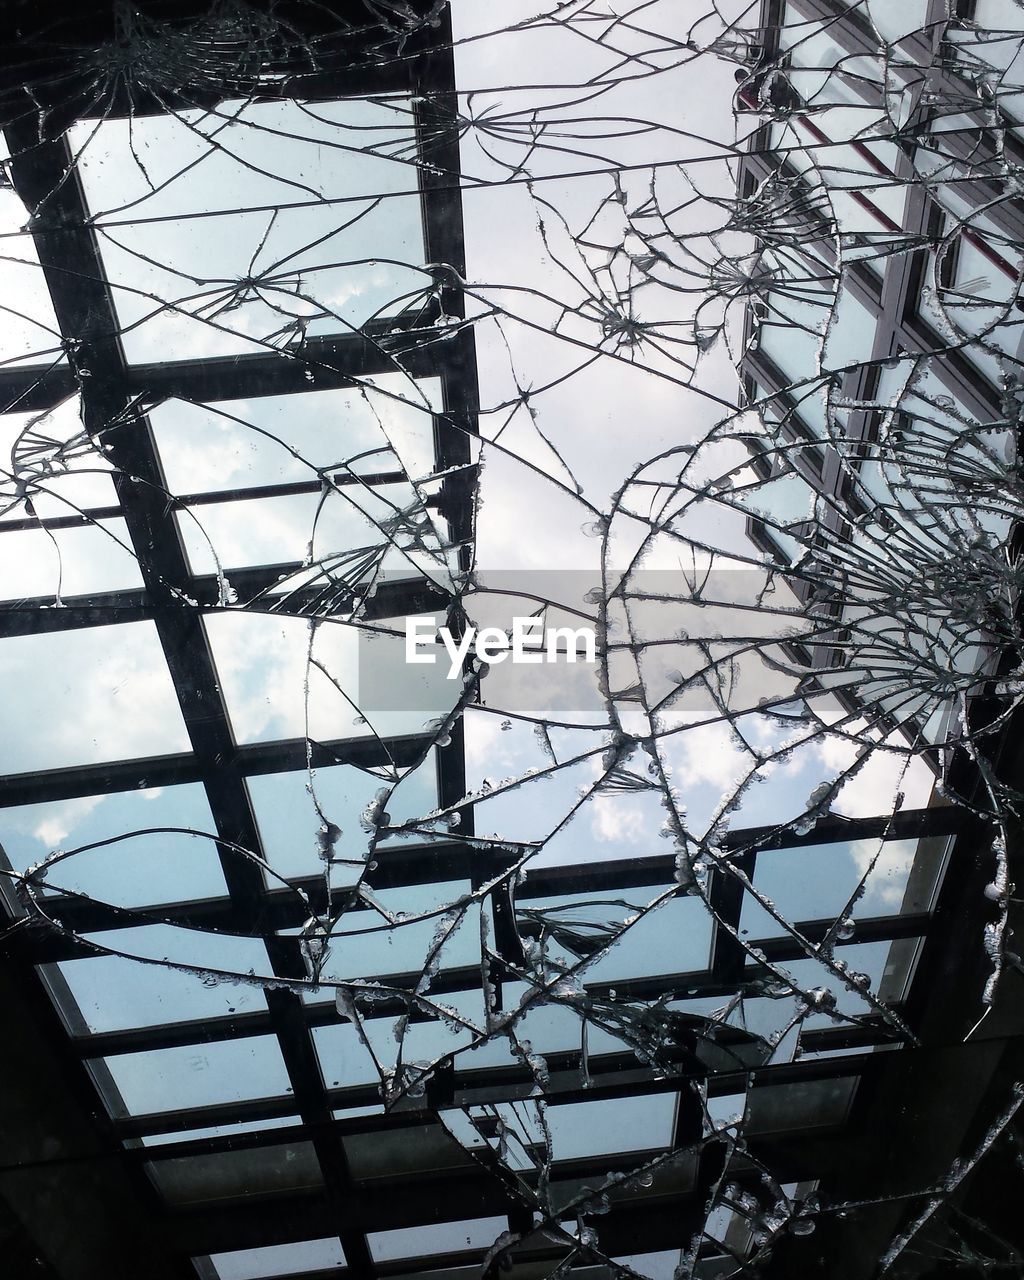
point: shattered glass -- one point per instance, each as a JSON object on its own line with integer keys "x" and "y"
{"x": 696, "y": 327}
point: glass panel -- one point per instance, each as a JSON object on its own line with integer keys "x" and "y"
{"x": 581, "y": 1129}
{"x": 231, "y": 1175}
{"x": 550, "y": 1028}
{"x": 146, "y": 870}
{"x": 349, "y": 1113}
{"x": 379, "y": 948}
{"x": 199, "y": 1075}
{"x": 48, "y": 459}
{"x": 244, "y": 280}
{"x": 64, "y": 563}
{"x": 279, "y": 1260}
{"x": 278, "y": 530}
{"x": 235, "y": 444}
{"x": 112, "y": 993}
{"x": 674, "y": 937}
{"x": 868, "y": 959}
{"x": 436, "y": 1238}
{"x": 215, "y": 1131}
{"x": 344, "y": 1061}
{"x": 264, "y": 662}
{"x": 817, "y": 881}
{"x": 202, "y": 948}
{"x": 291, "y": 808}
{"x": 98, "y": 693}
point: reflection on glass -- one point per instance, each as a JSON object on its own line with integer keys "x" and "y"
{"x": 580, "y": 1129}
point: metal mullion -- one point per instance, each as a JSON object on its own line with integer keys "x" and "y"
{"x": 34, "y": 388}
{"x": 39, "y": 617}
{"x": 91, "y": 515}
{"x": 87, "y": 516}
{"x": 725, "y": 898}
{"x": 36, "y": 615}
{"x": 872, "y": 929}
{"x": 353, "y": 1125}
{"x": 342, "y": 360}
{"x": 437, "y": 128}
{"x": 280, "y": 756}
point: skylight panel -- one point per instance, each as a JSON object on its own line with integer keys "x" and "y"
{"x": 816, "y": 881}
{"x": 112, "y": 993}
{"x": 49, "y": 465}
{"x": 197, "y": 1075}
{"x": 278, "y": 1260}
{"x": 59, "y": 564}
{"x": 94, "y": 694}
{"x": 433, "y": 1239}
{"x": 271, "y": 272}
{"x": 278, "y": 439}
{"x": 366, "y": 945}
{"x": 636, "y": 942}
{"x": 344, "y": 1062}
{"x": 296, "y": 812}
{"x": 286, "y": 529}
{"x": 170, "y": 859}
{"x": 256, "y": 653}
{"x": 581, "y": 1129}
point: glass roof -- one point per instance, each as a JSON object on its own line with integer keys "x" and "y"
{"x": 336, "y": 349}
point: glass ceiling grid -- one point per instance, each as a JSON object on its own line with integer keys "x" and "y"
{"x": 139, "y": 1058}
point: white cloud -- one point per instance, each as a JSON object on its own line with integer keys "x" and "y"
{"x": 62, "y": 818}
{"x": 612, "y": 821}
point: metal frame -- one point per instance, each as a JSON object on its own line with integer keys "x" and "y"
{"x": 345, "y": 1206}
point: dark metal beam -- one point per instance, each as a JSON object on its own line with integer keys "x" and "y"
{"x": 280, "y": 756}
